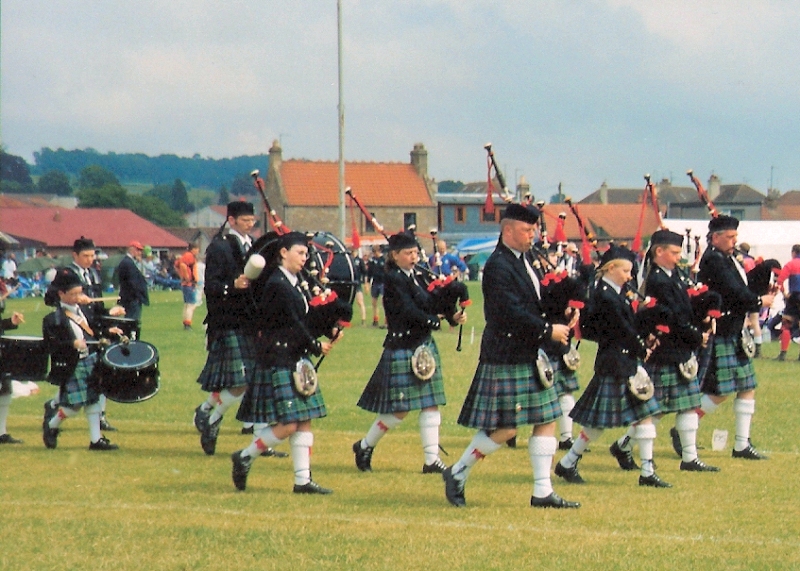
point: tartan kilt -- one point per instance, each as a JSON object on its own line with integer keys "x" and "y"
{"x": 564, "y": 380}
{"x": 507, "y": 396}
{"x": 230, "y": 361}
{"x": 271, "y": 398}
{"x": 81, "y": 389}
{"x": 672, "y": 391}
{"x": 607, "y": 403}
{"x": 730, "y": 371}
{"x": 393, "y": 386}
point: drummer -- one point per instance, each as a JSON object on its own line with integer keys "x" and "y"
{"x": 5, "y": 381}
{"x": 83, "y": 259}
{"x": 71, "y": 338}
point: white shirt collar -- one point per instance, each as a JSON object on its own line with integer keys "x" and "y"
{"x": 244, "y": 240}
{"x": 613, "y": 286}
{"x": 289, "y": 276}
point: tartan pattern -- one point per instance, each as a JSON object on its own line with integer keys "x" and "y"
{"x": 564, "y": 380}
{"x": 230, "y": 361}
{"x": 730, "y": 371}
{"x": 271, "y": 399}
{"x": 607, "y": 403}
{"x": 79, "y": 390}
{"x": 672, "y": 391}
{"x": 393, "y": 386}
{"x": 507, "y": 396}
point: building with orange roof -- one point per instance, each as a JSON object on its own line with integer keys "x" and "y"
{"x": 305, "y": 194}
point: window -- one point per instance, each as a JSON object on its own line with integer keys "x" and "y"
{"x": 461, "y": 215}
{"x": 485, "y": 217}
{"x": 368, "y": 227}
{"x": 409, "y": 219}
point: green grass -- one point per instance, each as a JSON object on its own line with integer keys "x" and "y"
{"x": 160, "y": 503}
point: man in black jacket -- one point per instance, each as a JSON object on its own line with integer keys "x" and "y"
{"x": 132, "y": 283}
{"x": 506, "y": 391}
{"x": 5, "y": 379}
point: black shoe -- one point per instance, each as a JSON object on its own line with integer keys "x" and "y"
{"x": 187, "y": 327}
{"x": 49, "y": 435}
{"x": 653, "y": 481}
{"x": 102, "y": 444}
{"x": 624, "y": 457}
{"x": 781, "y": 356}
{"x": 311, "y": 488}
{"x": 241, "y": 467}
{"x": 453, "y": 489}
{"x": 104, "y": 425}
{"x": 247, "y": 430}
{"x": 748, "y": 453}
{"x": 553, "y": 501}
{"x": 676, "y": 441}
{"x": 571, "y": 475}
{"x": 201, "y": 418}
{"x": 8, "y": 439}
{"x": 566, "y": 444}
{"x": 271, "y": 452}
{"x": 512, "y": 442}
{"x": 697, "y": 465}
{"x": 208, "y": 439}
{"x": 363, "y": 457}
{"x": 435, "y": 467}
{"x": 49, "y": 410}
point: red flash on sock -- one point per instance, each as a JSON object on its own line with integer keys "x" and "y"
{"x": 382, "y": 426}
{"x": 583, "y": 436}
{"x": 700, "y": 413}
{"x": 215, "y": 397}
{"x": 61, "y": 414}
{"x": 478, "y": 454}
{"x": 260, "y": 445}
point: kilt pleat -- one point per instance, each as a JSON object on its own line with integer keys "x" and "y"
{"x": 230, "y": 361}
{"x": 393, "y": 387}
{"x": 271, "y": 398}
{"x": 507, "y": 396}
{"x": 607, "y": 403}
{"x": 80, "y": 389}
{"x": 673, "y": 392}
{"x": 730, "y": 370}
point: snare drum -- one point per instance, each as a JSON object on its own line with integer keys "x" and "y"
{"x": 130, "y": 327}
{"x": 128, "y": 372}
{"x": 23, "y": 357}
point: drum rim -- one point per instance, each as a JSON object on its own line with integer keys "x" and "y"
{"x": 22, "y": 337}
{"x": 153, "y": 359}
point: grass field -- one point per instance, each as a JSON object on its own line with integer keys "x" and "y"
{"x": 160, "y": 503}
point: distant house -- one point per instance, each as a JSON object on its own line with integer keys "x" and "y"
{"x": 200, "y": 236}
{"x": 208, "y": 217}
{"x": 739, "y": 200}
{"x": 112, "y": 229}
{"x": 39, "y": 200}
{"x": 305, "y": 194}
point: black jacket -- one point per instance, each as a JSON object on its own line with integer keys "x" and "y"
{"x": 719, "y": 273}
{"x": 228, "y": 307}
{"x": 407, "y": 305}
{"x": 132, "y": 284}
{"x": 515, "y": 324}
{"x": 58, "y": 341}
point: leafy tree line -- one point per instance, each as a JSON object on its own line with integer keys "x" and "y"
{"x": 137, "y": 167}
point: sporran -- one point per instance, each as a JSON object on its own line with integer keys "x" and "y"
{"x": 423, "y": 363}
{"x": 546, "y": 375}
{"x": 689, "y": 368}
{"x": 641, "y": 385}
{"x": 748, "y": 343}
{"x": 305, "y": 378}
{"x": 572, "y": 359}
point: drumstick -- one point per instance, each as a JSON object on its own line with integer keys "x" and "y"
{"x": 96, "y": 299}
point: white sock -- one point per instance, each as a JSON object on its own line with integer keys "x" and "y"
{"x": 93, "y": 412}
{"x": 102, "y": 403}
{"x": 224, "y": 402}
{"x": 429, "y": 422}
{"x": 707, "y": 405}
{"x": 5, "y": 403}
{"x": 263, "y": 438}
{"x": 383, "y": 424}
{"x": 645, "y": 436}
{"x": 567, "y": 403}
{"x": 743, "y": 409}
{"x": 210, "y": 402}
{"x": 62, "y": 414}
{"x": 541, "y": 450}
{"x": 625, "y": 442}
{"x": 581, "y": 444}
{"x": 687, "y": 423}
{"x": 480, "y": 447}
{"x": 301, "y": 443}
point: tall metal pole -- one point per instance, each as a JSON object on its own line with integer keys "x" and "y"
{"x": 341, "y": 126}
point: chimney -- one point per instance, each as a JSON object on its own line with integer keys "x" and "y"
{"x": 57, "y": 216}
{"x": 419, "y": 160}
{"x": 523, "y": 188}
{"x": 275, "y": 155}
{"x": 604, "y": 193}
{"x": 713, "y": 187}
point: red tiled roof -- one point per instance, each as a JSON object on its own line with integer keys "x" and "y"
{"x": 8, "y": 202}
{"x": 316, "y": 183}
{"x": 619, "y": 221}
{"x": 108, "y": 227}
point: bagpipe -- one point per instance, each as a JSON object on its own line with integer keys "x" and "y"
{"x": 327, "y": 279}
{"x": 448, "y": 295}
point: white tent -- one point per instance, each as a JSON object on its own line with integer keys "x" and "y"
{"x": 767, "y": 239}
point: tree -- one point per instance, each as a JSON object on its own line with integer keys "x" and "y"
{"x": 161, "y": 191}
{"x": 180, "y": 198}
{"x": 224, "y": 197}
{"x": 242, "y": 185}
{"x": 156, "y": 211}
{"x": 108, "y": 196}
{"x": 95, "y": 176}
{"x": 14, "y": 169}
{"x": 450, "y": 186}
{"x": 55, "y": 182}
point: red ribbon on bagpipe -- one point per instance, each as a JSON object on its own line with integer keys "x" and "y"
{"x": 588, "y": 241}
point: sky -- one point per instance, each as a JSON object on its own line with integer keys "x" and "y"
{"x": 567, "y": 91}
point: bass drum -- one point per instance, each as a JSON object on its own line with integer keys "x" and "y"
{"x": 128, "y": 372}
{"x": 330, "y": 251}
{"x": 23, "y": 358}
{"x": 130, "y": 327}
